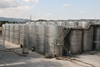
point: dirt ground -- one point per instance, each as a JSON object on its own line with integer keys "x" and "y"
{"x": 11, "y": 59}
{"x": 0, "y": 31}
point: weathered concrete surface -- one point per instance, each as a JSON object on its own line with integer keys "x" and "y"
{"x": 33, "y": 59}
{"x": 10, "y": 59}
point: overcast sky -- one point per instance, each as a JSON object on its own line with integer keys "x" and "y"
{"x": 50, "y": 9}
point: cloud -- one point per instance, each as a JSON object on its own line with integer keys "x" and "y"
{"x": 67, "y": 5}
{"x": 9, "y": 3}
{"x": 31, "y": 1}
{"x": 44, "y": 15}
{"x": 48, "y": 14}
{"x": 81, "y": 12}
{"x": 17, "y": 12}
{"x": 16, "y": 9}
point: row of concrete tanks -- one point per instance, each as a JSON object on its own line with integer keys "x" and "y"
{"x": 85, "y": 36}
{"x": 14, "y": 33}
{"x": 42, "y": 36}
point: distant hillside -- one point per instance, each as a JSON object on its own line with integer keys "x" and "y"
{"x": 13, "y": 19}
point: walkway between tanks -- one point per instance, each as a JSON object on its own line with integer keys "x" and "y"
{"x": 33, "y": 59}
{"x": 10, "y": 45}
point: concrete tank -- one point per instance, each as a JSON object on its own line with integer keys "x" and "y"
{"x": 97, "y": 37}
{"x": 39, "y": 38}
{"x": 71, "y": 24}
{"x": 31, "y": 41}
{"x": 4, "y": 31}
{"x": 16, "y": 34}
{"x": 23, "y": 37}
{"x": 12, "y": 33}
{"x": 88, "y": 39}
{"x": 85, "y": 24}
{"x": 60, "y": 23}
{"x": 75, "y": 41}
{"x": 7, "y": 32}
{"x": 51, "y": 34}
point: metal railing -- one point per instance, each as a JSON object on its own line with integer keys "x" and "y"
{"x": 60, "y": 39}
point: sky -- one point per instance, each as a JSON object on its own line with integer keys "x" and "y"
{"x": 50, "y": 9}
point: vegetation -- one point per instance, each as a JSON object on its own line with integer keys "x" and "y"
{"x": 3, "y": 22}
{"x": 41, "y": 20}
